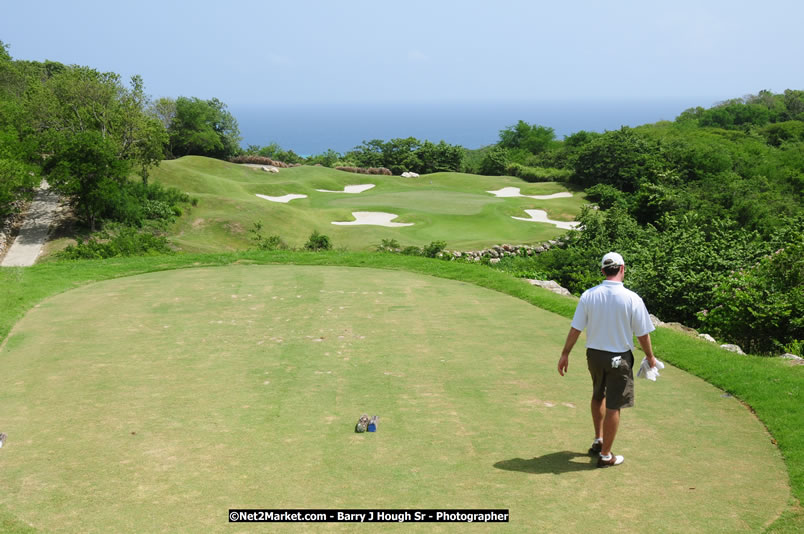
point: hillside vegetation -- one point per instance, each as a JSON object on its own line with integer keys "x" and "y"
{"x": 707, "y": 211}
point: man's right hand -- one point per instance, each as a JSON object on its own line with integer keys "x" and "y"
{"x": 647, "y": 348}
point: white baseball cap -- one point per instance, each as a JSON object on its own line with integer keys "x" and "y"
{"x": 611, "y": 259}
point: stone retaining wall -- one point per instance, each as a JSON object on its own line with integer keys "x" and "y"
{"x": 500, "y": 251}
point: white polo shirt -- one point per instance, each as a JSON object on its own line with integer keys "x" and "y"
{"x": 612, "y": 316}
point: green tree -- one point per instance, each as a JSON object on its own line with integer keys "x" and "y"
{"x": 163, "y": 109}
{"x": 784, "y": 132}
{"x": 495, "y": 162}
{"x": 203, "y": 128}
{"x": 368, "y": 154}
{"x": 530, "y": 137}
{"x": 86, "y": 167}
{"x": 17, "y": 175}
{"x": 328, "y": 159}
{"x": 81, "y": 99}
{"x": 225, "y": 125}
{"x": 441, "y": 157}
{"x": 735, "y": 114}
{"x": 143, "y": 137}
{"x": 270, "y": 151}
{"x": 191, "y": 131}
{"x": 621, "y": 158}
{"x": 401, "y": 155}
{"x": 408, "y": 154}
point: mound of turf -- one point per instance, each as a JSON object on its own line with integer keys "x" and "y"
{"x": 451, "y": 207}
{"x": 157, "y": 402}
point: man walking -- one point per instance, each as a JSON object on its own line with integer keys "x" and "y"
{"x": 612, "y": 316}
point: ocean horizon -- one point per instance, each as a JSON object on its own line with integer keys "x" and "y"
{"x": 312, "y": 129}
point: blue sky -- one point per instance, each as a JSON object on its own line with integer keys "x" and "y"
{"x": 320, "y": 52}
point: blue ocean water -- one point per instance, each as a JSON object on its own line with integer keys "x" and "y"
{"x": 313, "y": 129}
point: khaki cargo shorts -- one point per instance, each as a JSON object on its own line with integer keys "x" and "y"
{"x": 612, "y": 377}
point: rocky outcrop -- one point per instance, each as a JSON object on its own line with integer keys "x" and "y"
{"x": 682, "y": 328}
{"x": 691, "y": 331}
{"x": 551, "y": 285}
{"x": 410, "y": 175}
{"x": 381, "y": 171}
{"x": 11, "y": 224}
{"x": 269, "y": 168}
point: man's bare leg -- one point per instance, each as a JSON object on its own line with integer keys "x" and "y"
{"x": 598, "y": 414}
{"x": 610, "y": 425}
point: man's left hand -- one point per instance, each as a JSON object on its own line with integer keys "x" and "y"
{"x": 563, "y": 364}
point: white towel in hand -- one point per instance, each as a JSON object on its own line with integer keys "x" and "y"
{"x": 646, "y": 371}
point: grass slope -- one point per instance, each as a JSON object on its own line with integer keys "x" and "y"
{"x": 192, "y": 391}
{"x": 770, "y": 387}
{"x": 450, "y": 207}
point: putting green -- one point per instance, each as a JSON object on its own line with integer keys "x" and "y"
{"x": 157, "y": 402}
{"x": 452, "y": 207}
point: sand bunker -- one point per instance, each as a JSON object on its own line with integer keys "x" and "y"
{"x": 514, "y": 192}
{"x": 541, "y": 216}
{"x": 374, "y": 218}
{"x": 350, "y": 189}
{"x": 284, "y": 199}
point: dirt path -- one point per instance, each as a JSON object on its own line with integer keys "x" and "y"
{"x": 40, "y": 216}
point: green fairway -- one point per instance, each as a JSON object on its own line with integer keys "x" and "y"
{"x": 451, "y": 207}
{"x": 157, "y": 402}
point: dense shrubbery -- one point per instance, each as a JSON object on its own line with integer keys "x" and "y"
{"x": 272, "y": 151}
{"x": 530, "y": 152}
{"x": 762, "y": 307}
{"x": 537, "y": 174}
{"x": 622, "y": 159}
{"x": 272, "y": 242}
{"x": 118, "y": 240}
{"x": 318, "y": 241}
{"x": 682, "y": 266}
{"x": 698, "y": 208}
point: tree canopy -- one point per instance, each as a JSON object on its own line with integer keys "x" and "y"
{"x": 82, "y": 128}
{"x": 407, "y": 155}
{"x": 200, "y": 128}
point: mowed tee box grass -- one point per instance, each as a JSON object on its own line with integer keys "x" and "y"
{"x": 452, "y": 207}
{"x": 192, "y": 391}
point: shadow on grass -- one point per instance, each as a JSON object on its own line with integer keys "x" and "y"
{"x": 554, "y": 463}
